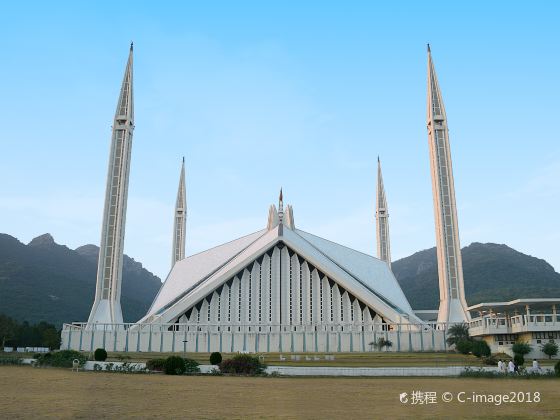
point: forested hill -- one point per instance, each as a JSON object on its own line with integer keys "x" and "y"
{"x": 44, "y": 281}
{"x": 492, "y": 272}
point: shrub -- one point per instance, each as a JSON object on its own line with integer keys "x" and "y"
{"x": 381, "y": 342}
{"x": 242, "y": 364}
{"x": 480, "y": 348}
{"x": 550, "y": 349}
{"x": 191, "y": 366}
{"x": 521, "y": 348}
{"x": 464, "y": 346}
{"x": 156, "y": 365}
{"x": 490, "y": 360}
{"x": 216, "y": 358}
{"x": 100, "y": 355}
{"x": 62, "y": 358}
{"x": 518, "y": 359}
{"x": 557, "y": 368}
{"x": 174, "y": 365}
{"x": 11, "y": 361}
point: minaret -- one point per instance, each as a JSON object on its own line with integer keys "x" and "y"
{"x": 382, "y": 220}
{"x": 107, "y": 305}
{"x": 452, "y": 306}
{"x": 180, "y": 220}
{"x": 280, "y": 207}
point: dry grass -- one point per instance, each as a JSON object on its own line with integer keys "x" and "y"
{"x": 34, "y": 392}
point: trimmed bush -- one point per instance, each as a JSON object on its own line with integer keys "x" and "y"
{"x": 464, "y": 346}
{"x": 216, "y": 358}
{"x": 156, "y": 365}
{"x": 480, "y": 348}
{"x": 100, "y": 355}
{"x": 557, "y": 368}
{"x": 191, "y": 366}
{"x": 242, "y": 364}
{"x": 490, "y": 360}
{"x": 62, "y": 358}
{"x": 174, "y": 365}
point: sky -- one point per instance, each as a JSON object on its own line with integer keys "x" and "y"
{"x": 299, "y": 95}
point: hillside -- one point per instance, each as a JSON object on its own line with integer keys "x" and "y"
{"x": 44, "y": 281}
{"x": 492, "y": 272}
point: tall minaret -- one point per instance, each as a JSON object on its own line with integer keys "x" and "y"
{"x": 180, "y": 220}
{"x": 452, "y": 304}
{"x": 382, "y": 220}
{"x": 107, "y": 305}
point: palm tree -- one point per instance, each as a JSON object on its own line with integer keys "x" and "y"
{"x": 456, "y": 333}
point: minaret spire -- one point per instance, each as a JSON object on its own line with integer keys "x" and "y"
{"x": 453, "y": 306}
{"x": 107, "y": 306}
{"x": 180, "y": 220}
{"x": 382, "y": 220}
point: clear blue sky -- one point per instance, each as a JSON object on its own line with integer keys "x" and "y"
{"x": 303, "y": 95}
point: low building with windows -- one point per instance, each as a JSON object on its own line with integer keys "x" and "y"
{"x": 501, "y": 324}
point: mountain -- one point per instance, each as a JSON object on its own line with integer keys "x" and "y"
{"x": 45, "y": 281}
{"x": 492, "y": 272}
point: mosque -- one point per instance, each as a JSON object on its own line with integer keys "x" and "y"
{"x": 282, "y": 289}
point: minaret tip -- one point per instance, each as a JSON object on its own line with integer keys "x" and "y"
{"x": 429, "y": 48}
{"x": 183, "y": 160}
{"x": 378, "y": 161}
{"x": 131, "y": 45}
{"x": 280, "y": 198}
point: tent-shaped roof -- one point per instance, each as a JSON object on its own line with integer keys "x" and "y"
{"x": 196, "y": 276}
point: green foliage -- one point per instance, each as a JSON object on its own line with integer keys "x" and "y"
{"x": 523, "y": 374}
{"x": 191, "y": 366}
{"x": 62, "y": 358}
{"x": 557, "y": 368}
{"x": 242, "y": 364}
{"x": 490, "y": 360}
{"x": 521, "y": 348}
{"x": 464, "y": 346}
{"x": 156, "y": 365}
{"x": 518, "y": 359}
{"x": 480, "y": 348}
{"x": 10, "y": 361}
{"x": 456, "y": 333}
{"x": 550, "y": 349}
{"x": 215, "y": 358}
{"x": 14, "y": 334}
{"x": 100, "y": 355}
{"x": 174, "y": 365}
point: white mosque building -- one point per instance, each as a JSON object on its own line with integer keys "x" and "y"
{"x": 279, "y": 289}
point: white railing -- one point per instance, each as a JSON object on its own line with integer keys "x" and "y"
{"x": 489, "y": 324}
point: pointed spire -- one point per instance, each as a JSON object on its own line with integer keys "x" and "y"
{"x": 280, "y": 207}
{"x": 180, "y": 219}
{"x": 125, "y": 107}
{"x": 453, "y": 306}
{"x": 382, "y": 220}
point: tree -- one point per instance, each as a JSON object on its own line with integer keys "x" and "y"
{"x": 550, "y": 349}
{"x": 521, "y": 348}
{"x": 456, "y": 333}
{"x": 7, "y": 329}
